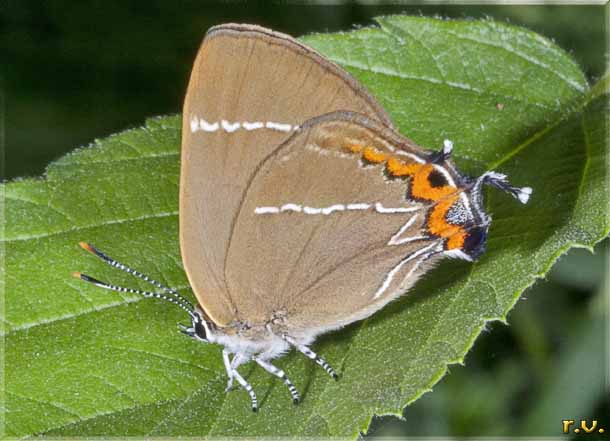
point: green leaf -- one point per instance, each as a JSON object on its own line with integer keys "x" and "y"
{"x": 83, "y": 361}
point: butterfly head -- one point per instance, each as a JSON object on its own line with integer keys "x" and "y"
{"x": 199, "y": 329}
{"x": 468, "y": 213}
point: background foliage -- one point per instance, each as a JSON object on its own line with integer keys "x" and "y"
{"x": 85, "y": 71}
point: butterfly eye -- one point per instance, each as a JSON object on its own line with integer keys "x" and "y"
{"x": 200, "y": 332}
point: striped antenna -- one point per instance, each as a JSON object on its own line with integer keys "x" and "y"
{"x": 500, "y": 181}
{"x": 175, "y": 298}
{"x": 105, "y": 285}
{"x": 110, "y": 261}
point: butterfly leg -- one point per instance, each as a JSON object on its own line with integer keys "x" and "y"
{"x": 312, "y": 355}
{"x": 282, "y": 376}
{"x": 237, "y": 361}
{"x": 228, "y": 368}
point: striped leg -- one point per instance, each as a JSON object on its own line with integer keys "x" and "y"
{"x": 282, "y": 376}
{"x": 311, "y": 354}
{"x": 237, "y": 361}
{"x": 229, "y": 369}
{"x": 248, "y": 388}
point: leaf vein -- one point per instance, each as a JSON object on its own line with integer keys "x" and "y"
{"x": 436, "y": 81}
{"x": 115, "y": 160}
{"x": 45, "y": 403}
{"x": 575, "y": 85}
{"x": 587, "y": 146}
{"x": 418, "y": 40}
{"x": 86, "y": 227}
{"x": 38, "y": 204}
{"x": 125, "y": 301}
{"x": 161, "y": 356}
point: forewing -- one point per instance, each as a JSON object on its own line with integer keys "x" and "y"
{"x": 249, "y": 88}
{"x": 325, "y": 235}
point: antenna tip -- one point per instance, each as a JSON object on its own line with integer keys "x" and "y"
{"x": 76, "y": 274}
{"x": 85, "y": 246}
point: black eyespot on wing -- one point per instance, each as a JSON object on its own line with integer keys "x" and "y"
{"x": 436, "y": 179}
{"x": 475, "y": 242}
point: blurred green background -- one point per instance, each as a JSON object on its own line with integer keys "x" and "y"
{"x": 77, "y": 71}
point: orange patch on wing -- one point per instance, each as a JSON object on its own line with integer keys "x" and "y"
{"x": 354, "y": 148}
{"x": 373, "y": 155}
{"x": 438, "y": 225}
{"x": 421, "y": 188}
{"x": 396, "y": 167}
{"x": 457, "y": 240}
{"x": 444, "y": 196}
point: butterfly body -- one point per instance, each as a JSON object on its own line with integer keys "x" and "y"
{"x": 248, "y": 340}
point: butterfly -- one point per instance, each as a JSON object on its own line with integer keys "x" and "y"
{"x": 302, "y": 209}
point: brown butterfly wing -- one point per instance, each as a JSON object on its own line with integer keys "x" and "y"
{"x": 244, "y": 74}
{"x": 326, "y": 269}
